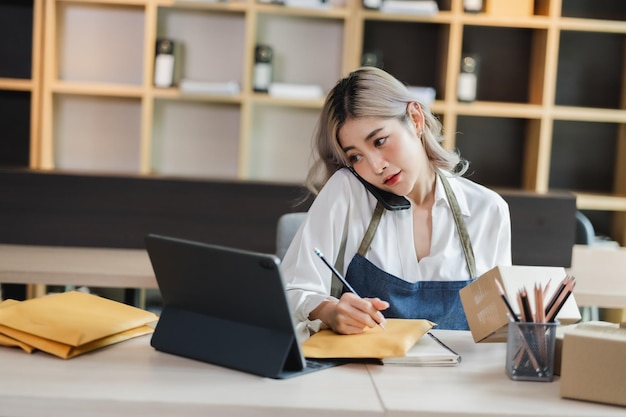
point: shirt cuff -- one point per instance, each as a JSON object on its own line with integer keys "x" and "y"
{"x": 306, "y": 328}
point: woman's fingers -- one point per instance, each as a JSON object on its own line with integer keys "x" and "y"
{"x": 353, "y": 314}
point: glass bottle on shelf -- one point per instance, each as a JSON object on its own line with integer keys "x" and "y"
{"x": 467, "y": 82}
{"x": 166, "y": 63}
{"x": 262, "y": 74}
{"x": 372, "y": 59}
{"x": 473, "y": 6}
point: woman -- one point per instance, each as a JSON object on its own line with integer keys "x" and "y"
{"x": 412, "y": 262}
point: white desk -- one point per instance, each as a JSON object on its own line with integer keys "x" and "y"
{"x": 477, "y": 387}
{"x": 132, "y": 379}
{"x": 98, "y": 267}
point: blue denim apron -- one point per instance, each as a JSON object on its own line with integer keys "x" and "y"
{"x": 437, "y": 301}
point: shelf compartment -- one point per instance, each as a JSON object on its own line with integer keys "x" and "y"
{"x": 212, "y": 42}
{"x": 16, "y": 84}
{"x": 195, "y": 139}
{"x": 508, "y": 59}
{"x": 100, "y": 43}
{"x": 322, "y": 12}
{"x": 280, "y": 144}
{"x": 494, "y": 146}
{"x": 589, "y": 114}
{"x": 590, "y": 201}
{"x": 443, "y": 16}
{"x": 108, "y": 2}
{"x": 97, "y": 134}
{"x": 583, "y": 156}
{"x": 594, "y": 9}
{"x": 590, "y": 69}
{"x": 298, "y": 62}
{"x": 530, "y": 22}
{"x": 96, "y": 89}
{"x": 229, "y": 6}
{"x": 175, "y": 94}
{"x": 491, "y": 109}
{"x": 16, "y": 39}
{"x": 15, "y": 122}
{"x": 588, "y": 25}
{"x": 266, "y": 99}
{"x": 419, "y": 63}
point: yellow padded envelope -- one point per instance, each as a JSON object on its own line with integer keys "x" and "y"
{"x": 70, "y": 323}
{"x": 9, "y": 341}
{"x": 394, "y": 341}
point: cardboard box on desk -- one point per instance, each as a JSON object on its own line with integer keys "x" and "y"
{"x": 561, "y": 331}
{"x": 593, "y": 364}
{"x": 485, "y": 310}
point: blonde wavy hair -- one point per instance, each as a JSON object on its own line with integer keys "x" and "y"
{"x": 371, "y": 92}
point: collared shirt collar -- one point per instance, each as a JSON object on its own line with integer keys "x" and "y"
{"x": 440, "y": 195}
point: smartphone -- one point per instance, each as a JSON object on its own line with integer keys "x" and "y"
{"x": 390, "y": 201}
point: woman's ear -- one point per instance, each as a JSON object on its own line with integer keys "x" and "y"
{"x": 415, "y": 112}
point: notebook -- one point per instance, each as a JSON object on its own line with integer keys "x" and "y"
{"x": 227, "y": 307}
{"x": 428, "y": 351}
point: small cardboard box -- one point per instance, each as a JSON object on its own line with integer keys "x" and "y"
{"x": 593, "y": 364}
{"x": 485, "y": 310}
{"x": 560, "y": 334}
{"x": 510, "y": 8}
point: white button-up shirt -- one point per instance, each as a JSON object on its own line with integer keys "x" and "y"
{"x": 341, "y": 214}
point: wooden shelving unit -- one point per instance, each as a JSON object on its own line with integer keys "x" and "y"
{"x": 21, "y": 25}
{"x": 550, "y": 112}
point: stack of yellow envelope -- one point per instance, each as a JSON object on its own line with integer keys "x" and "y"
{"x": 70, "y": 323}
{"x": 395, "y": 340}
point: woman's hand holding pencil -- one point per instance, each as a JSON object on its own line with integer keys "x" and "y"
{"x": 351, "y": 314}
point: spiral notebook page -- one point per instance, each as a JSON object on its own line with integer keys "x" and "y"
{"x": 427, "y": 351}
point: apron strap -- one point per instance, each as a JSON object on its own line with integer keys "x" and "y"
{"x": 371, "y": 229}
{"x": 460, "y": 225}
{"x": 466, "y": 243}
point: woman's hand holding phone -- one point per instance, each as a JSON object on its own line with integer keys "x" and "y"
{"x": 389, "y": 200}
